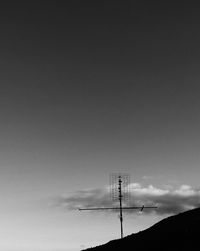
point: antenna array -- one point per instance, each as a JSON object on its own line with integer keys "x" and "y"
{"x": 125, "y": 187}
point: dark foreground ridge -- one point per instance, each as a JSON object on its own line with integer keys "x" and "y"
{"x": 179, "y": 232}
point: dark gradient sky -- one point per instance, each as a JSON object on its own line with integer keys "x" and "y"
{"x": 90, "y": 87}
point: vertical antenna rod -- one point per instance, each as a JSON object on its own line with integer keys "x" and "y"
{"x": 120, "y": 205}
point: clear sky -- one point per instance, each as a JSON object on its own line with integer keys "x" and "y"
{"x": 88, "y": 88}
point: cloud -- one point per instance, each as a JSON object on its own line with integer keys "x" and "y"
{"x": 147, "y": 177}
{"x": 168, "y": 200}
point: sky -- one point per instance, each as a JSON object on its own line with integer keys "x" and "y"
{"x": 87, "y": 89}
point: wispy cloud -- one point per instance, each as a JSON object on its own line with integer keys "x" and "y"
{"x": 168, "y": 200}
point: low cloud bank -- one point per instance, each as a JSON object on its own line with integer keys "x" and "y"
{"x": 168, "y": 201}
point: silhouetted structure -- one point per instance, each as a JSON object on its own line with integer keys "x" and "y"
{"x": 121, "y": 179}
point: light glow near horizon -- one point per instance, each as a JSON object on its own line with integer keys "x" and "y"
{"x": 57, "y": 224}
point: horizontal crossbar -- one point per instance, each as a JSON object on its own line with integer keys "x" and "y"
{"x": 114, "y": 208}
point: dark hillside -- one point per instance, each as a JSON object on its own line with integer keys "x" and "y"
{"x": 179, "y": 232}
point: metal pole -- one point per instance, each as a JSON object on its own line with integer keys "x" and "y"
{"x": 120, "y": 205}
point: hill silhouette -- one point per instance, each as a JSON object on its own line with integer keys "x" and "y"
{"x": 179, "y": 232}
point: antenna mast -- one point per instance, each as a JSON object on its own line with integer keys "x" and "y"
{"x": 120, "y": 205}
{"x": 119, "y": 192}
